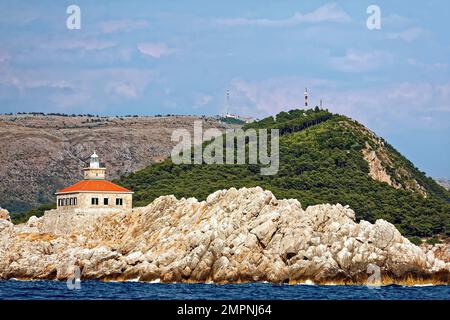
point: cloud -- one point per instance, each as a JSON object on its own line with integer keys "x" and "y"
{"x": 377, "y": 106}
{"x": 416, "y": 94}
{"x": 26, "y": 81}
{"x": 358, "y": 61}
{"x": 132, "y": 83}
{"x": 4, "y": 56}
{"x": 444, "y": 91}
{"x": 122, "y": 89}
{"x": 154, "y": 50}
{"x": 84, "y": 44}
{"x": 327, "y": 13}
{"x": 407, "y": 35}
{"x": 87, "y": 89}
{"x": 396, "y": 21}
{"x": 90, "y": 44}
{"x": 262, "y": 98}
{"x": 431, "y": 66}
{"x": 202, "y": 100}
{"x": 114, "y": 26}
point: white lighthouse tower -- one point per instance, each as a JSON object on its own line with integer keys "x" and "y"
{"x": 94, "y": 162}
{"x": 94, "y": 171}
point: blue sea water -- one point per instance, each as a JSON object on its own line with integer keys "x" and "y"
{"x": 92, "y": 290}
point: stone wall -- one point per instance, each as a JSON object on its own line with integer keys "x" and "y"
{"x": 94, "y": 173}
{"x": 84, "y": 201}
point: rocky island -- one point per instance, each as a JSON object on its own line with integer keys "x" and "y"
{"x": 236, "y": 235}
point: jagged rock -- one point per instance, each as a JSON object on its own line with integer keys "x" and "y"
{"x": 439, "y": 251}
{"x": 233, "y": 236}
{"x": 4, "y": 214}
{"x": 134, "y": 258}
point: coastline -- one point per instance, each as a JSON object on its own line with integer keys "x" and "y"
{"x": 235, "y": 236}
{"x": 386, "y": 281}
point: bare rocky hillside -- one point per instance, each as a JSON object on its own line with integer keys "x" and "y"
{"x": 40, "y": 154}
{"x": 444, "y": 182}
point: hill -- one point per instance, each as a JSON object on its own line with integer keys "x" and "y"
{"x": 42, "y": 153}
{"x": 444, "y": 182}
{"x": 324, "y": 158}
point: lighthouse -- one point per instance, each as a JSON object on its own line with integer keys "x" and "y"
{"x": 94, "y": 171}
{"x": 94, "y": 194}
{"x": 306, "y": 97}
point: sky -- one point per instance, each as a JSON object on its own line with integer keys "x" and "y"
{"x": 180, "y": 57}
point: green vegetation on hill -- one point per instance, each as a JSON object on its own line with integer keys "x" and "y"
{"x": 232, "y": 120}
{"x": 21, "y": 217}
{"x": 321, "y": 161}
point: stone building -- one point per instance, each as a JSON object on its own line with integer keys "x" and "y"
{"x": 94, "y": 193}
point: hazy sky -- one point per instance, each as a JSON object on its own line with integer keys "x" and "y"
{"x": 159, "y": 57}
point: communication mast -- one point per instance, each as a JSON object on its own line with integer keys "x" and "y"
{"x": 306, "y": 97}
{"x": 227, "y": 107}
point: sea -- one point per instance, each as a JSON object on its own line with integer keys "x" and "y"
{"x": 97, "y": 290}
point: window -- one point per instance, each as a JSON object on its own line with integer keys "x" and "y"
{"x": 105, "y": 201}
{"x": 119, "y": 202}
{"x": 70, "y": 201}
{"x": 94, "y": 201}
{"x": 59, "y": 203}
{"x": 74, "y": 201}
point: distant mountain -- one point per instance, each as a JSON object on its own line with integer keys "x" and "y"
{"x": 42, "y": 153}
{"x": 324, "y": 158}
{"x": 444, "y": 182}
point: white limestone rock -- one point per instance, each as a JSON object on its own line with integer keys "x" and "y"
{"x": 235, "y": 235}
{"x": 4, "y": 214}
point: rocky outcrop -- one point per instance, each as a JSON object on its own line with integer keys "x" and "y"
{"x": 233, "y": 236}
{"x": 4, "y": 214}
{"x": 386, "y": 165}
{"x": 440, "y": 251}
{"x": 376, "y": 168}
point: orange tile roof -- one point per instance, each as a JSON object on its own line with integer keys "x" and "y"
{"x": 95, "y": 186}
